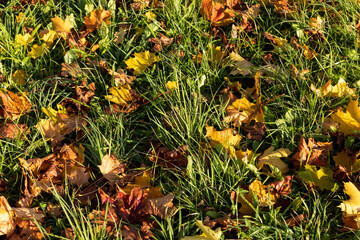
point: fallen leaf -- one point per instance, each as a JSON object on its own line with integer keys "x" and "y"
{"x": 161, "y": 42}
{"x": 38, "y": 51}
{"x": 7, "y": 224}
{"x": 255, "y": 132}
{"x": 243, "y": 111}
{"x": 272, "y": 158}
{"x": 350, "y": 162}
{"x": 120, "y": 77}
{"x": 96, "y": 18}
{"x": 120, "y": 95}
{"x": 207, "y": 233}
{"x": 339, "y": 90}
{"x": 19, "y": 77}
{"x": 214, "y": 54}
{"x": 111, "y": 167}
{"x": 281, "y": 188}
{"x": 150, "y": 16}
{"x": 309, "y": 54}
{"x": 323, "y": 178}
{"x": 341, "y": 174}
{"x": 141, "y": 61}
{"x": 13, "y": 105}
{"x": 351, "y": 206}
{"x": 162, "y": 207}
{"x": 295, "y": 221}
{"x": 140, "y": 4}
{"x": 226, "y": 138}
{"x": 71, "y": 69}
{"x": 13, "y": 131}
{"x": 217, "y": 13}
{"x": 240, "y": 65}
{"x": 24, "y": 40}
{"x": 350, "y": 119}
{"x": 48, "y": 36}
{"x": 312, "y": 153}
{"x": 165, "y": 157}
{"x": 60, "y": 26}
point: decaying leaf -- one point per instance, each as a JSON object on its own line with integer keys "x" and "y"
{"x": 323, "y": 178}
{"x": 7, "y": 224}
{"x": 141, "y": 61}
{"x": 71, "y": 69}
{"x": 161, "y": 207}
{"x": 255, "y": 132}
{"x": 297, "y": 220}
{"x": 272, "y": 158}
{"x": 13, "y": 105}
{"x": 282, "y": 187}
{"x": 328, "y": 90}
{"x": 350, "y": 119}
{"x": 161, "y": 42}
{"x": 120, "y": 77}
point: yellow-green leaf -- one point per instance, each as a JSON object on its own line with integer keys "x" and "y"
{"x": 323, "y": 178}
{"x": 19, "y": 77}
{"x": 141, "y": 61}
{"x": 38, "y": 51}
{"x": 350, "y": 119}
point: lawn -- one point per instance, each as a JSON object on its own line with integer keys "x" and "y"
{"x": 179, "y": 119}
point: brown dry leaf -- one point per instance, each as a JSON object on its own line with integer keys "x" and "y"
{"x": 56, "y": 131}
{"x": 13, "y": 105}
{"x": 341, "y": 174}
{"x": 255, "y": 132}
{"x": 120, "y": 77}
{"x": 312, "y": 153}
{"x": 140, "y": 4}
{"x": 165, "y": 157}
{"x": 97, "y": 16}
{"x": 13, "y": 131}
{"x": 161, "y": 42}
{"x": 79, "y": 176}
{"x": 162, "y": 207}
{"x": 111, "y": 167}
{"x": 242, "y": 111}
{"x": 7, "y": 224}
{"x": 339, "y": 90}
{"x": 217, "y": 13}
{"x": 281, "y": 6}
{"x": 281, "y": 188}
{"x": 297, "y": 220}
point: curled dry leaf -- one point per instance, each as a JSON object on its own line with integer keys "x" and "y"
{"x": 13, "y": 105}
{"x": 312, "y": 153}
{"x": 281, "y": 188}
{"x": 351, "y": 207}
{"x": 161, "y": 207}
{"x": 7, "y": 224}
{"x": 339, "y": 90}
{"x": 341, "y": 174}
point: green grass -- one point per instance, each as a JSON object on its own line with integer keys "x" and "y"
{"x": 176, "y": 118}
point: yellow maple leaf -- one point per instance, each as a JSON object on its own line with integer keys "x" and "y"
{"x": 141, "y": 61}
{"x": 350, "y": 119}
{"x": 20, "y": 17}
{"x": 225, "y": 137}
{"x": 23, "y": 40}
{"x": 60, "y": 26}
{"x": 322, "y": 178}
{"x": 19, "y": 77}
{"x": 272, "y": 157}
{"x": 351, "y": 207}
{"x": 49, "y": 36}
{"x": 38, "y": 51}
{"x": 120, "y": 95}
{"x": 338, "y": 90}
{"x": 207, "y": 233}
{"x": 243, "y": 111}
{"x": 53, "y": 114}
{"x": 144, "y": 182}
{"x": 351, "y": 163}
